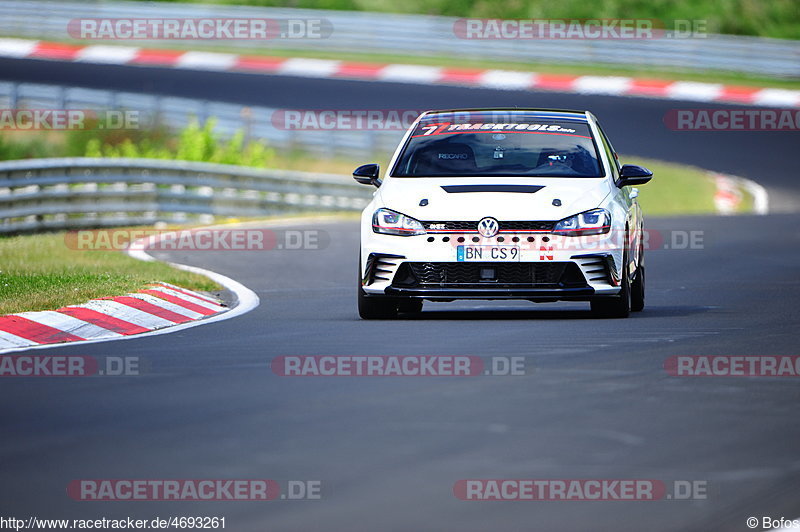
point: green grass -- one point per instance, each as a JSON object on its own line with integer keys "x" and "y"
{"x": 39, "y": 272}
{"x": 675, "y": 189}
{"x": 769, "y": 18}
{"x": 748, "y": 202}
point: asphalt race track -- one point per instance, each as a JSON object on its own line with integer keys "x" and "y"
{"x": 596, "y": 402}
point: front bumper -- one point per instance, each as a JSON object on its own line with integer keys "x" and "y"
{"x": 550, "y": 267}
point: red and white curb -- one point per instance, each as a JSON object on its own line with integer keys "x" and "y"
{"x": 404, "y": 73}
{"x": 156, "y": 307}
{"x": 728, "y": 195}
{"x": 159, "y": 309}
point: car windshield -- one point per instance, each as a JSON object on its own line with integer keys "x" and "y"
{"x": 470, "y": 144}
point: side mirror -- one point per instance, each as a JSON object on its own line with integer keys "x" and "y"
{"x": 633, "y": 175}
{"x": 367, "y": 174}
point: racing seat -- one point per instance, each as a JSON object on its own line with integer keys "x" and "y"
{"x": 578, "y": 160}
{"x": 445, "y": 158}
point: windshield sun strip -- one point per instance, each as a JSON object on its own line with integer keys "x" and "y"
{"x": 401, "y": 155}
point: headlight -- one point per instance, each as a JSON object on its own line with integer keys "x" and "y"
{"x": 594, "y": 222}
{"x": 389, "y": 222}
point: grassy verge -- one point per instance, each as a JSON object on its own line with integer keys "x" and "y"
{"x": 40, "y": 272}
{"x": 771, "y": 18}
{"x": 676, "y": 189}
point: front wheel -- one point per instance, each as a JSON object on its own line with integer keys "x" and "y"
{"x": 618, "y": 306}
{"x": 374, "y": 308}
{"x": 637, "y": 290}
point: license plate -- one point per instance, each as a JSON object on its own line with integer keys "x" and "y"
{"x": 487, "y": 254}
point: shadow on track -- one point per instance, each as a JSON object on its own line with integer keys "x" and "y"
{"x": 570, "y": 314}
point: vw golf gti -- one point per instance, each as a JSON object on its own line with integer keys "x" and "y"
{"x": 526, "y": 204}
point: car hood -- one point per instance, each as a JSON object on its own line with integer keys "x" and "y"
{"x": 512, "y": 198}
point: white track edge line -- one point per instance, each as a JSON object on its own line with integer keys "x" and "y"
{"x": 759, "y": 193}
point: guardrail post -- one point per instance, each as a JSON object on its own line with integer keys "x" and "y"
{"x": 62, "y": 97}
{"x": 13, "y": 96}
{"x": 156, "y": 118}
{"x": 247, "y": 118}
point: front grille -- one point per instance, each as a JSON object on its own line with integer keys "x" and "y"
{"x": 503, "y": 274}
{"x": 524, "y": 226}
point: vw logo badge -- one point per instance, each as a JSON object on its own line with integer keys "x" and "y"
{"x": 488, "y": 227}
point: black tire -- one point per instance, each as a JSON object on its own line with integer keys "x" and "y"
{"x": 637, "y": 290}
{"x": 617, "y": 306}
{"x": 375, "y": 307}
{"x": 638, "y": 284}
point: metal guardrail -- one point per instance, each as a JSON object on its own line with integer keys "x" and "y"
{"x": 419, "y": 35}
{"x": 256, "y": 122}
{"x": 53, "y": 194}
{"x": 71, "y": 193}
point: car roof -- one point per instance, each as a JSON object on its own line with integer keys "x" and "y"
{"x": 549, "y": 113}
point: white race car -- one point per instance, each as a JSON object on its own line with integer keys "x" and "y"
{"x": 502, "y": 204}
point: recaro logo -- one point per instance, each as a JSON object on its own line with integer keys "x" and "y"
{"x": 452, "y": 156}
